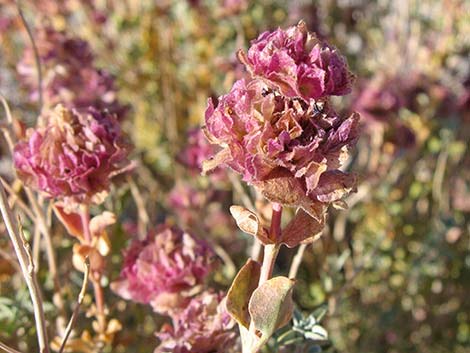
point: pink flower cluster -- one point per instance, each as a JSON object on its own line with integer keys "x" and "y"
{"x": 281, "y": 123}
{"x": 197, "y": 150}
{"x": 267, "y": 133}
{"x": 72, "y": 155}
{"x": 162, "y": 268}
{"x": 69, "y": 74}
{"x": 380, "y": 101}
{"x": 298, "y": 64}
{"x": 204, "y": 326}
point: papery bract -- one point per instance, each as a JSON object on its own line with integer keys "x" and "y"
{"x": 163, "y": 266}
{"x": 69, "y": 74}
{"x": 265, "y": 135}
{"x": 196, "y": 151}
{"x": 72, "y": 156}
{"x": 298, "y": 64}
{"x": 379, "y": 101}
{"x": 204, "y": 326}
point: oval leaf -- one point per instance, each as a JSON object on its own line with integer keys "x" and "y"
{"x": 241, "y": 290}
{"x": 99, "y": 223}
{"x": 303, "y": 228}
{"x": 71, "y": 221}
{"x": 288, "y": 191}
{"x": 249, "y": 223}
{"x": 271, "y": 305}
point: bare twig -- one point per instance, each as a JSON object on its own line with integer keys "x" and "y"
{"x": 37, "y": 216}
{"x": 297, "y": 260}
{"x": 17, "y": 200}
{"x": 6, "y": 130}
{"x": 96, "y": 277}
{"x": 74, "y": 316}
{"x": 35, "y": 50}
{"x": 8, "y": 349}
{"x": 142, "y": 215}
{"x": 7, "y": 109}
{"x": 244, "y": 197}
{"x": 230, "y": 267}
{"x": 40, "y": 219}
{"x": 23, "y": 254}
{"x": 36, "y": 244}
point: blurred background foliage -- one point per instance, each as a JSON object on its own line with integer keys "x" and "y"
{"x": 393, "y": 269}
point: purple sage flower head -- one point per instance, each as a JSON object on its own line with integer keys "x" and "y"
{"x": 71, "y": 156}
{"x": 204, "y": 326}
{"x": 380, "y": 100}
{"x": 298, "y": 64}
{"x": 197, "y": 150}
{"x": 69, "y": 75}
{"x": 161, "y": 269}
{"x": 265, "y": 135}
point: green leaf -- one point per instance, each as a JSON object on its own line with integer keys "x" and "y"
{"x": 241, "y": 290}
{"x": 309, "y": 326}
{"x": 317, "y": 333}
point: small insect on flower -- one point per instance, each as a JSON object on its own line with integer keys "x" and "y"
{"x": 278, "y": 129}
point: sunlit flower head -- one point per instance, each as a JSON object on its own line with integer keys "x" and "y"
{"x": 72, "y": 156}
{"x": 162, "y": 267}
{"x": 204, "y": 326}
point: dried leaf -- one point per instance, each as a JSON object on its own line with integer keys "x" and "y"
{"x": 221, "y": 157}
{"x": 241, "y": 290}
{"x": 80, "y": 252}
{"x": 102, "y": 244}
{"x": 169, "y": 303}
{"x": 289, "y": 192}
{"x": 285, "y": 190}
{"x": 99, "y": 223}
{"x": 71, "y": 221}
{"x": 303, "y": 228}
{"x": 340, "y": 205}
{"x": 271, "y": 305}
{"x": 113, "y": 326}
{"x": 334, "y": 185}
{"x": 249, "y": 223}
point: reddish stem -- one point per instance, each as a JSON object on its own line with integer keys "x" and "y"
{"x": 271, "y": 251}
{"x": 275, "y": 230}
